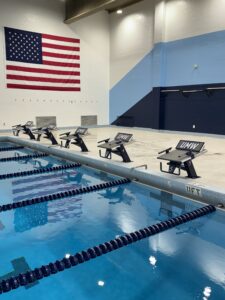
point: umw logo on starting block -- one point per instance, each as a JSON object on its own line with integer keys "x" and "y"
{"x": 125, "y": 137}
{"x": 190, "y": 145}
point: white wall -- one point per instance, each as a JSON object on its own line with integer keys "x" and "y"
{"x": 94, "y": 34}
{"x": 187, "y": 18}
{"x": 131, "y": 38}
{"x": 159, "y": 21}
{"x": 46, "y": 16}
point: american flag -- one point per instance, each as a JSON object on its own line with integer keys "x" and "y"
{"x": 40, "y": 61}
{"x": 29, "y": 187}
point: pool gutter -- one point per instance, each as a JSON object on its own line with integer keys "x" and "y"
{"x": 177, "y": 185}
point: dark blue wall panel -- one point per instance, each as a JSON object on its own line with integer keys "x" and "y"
{"x": 145, "y": 113}
{"x": 179, "y": 110}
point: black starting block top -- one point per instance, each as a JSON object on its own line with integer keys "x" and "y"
{"x": 120, "y": 138}
{"x": 42, "y": 130}
{"x": 29, "y": 124}
{"x": 75, "y": 137}
{"x": 79, "y": 131}
{"x": 21, "y": 126}
{"x": 67, "y": 137}
{"x": 116, "y": 146}
{"x": 190, "y": 146}
{"x": 123, "y": 137}
{"x": 183, "y": 152}
{"x": 181, "y": 157}
{"x": 26, "y": 128}
{"x": 47, "y": 132}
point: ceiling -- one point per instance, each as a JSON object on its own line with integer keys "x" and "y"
{"x": 76, "y": 10}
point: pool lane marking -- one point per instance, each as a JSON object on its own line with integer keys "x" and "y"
{"x": 60, "y": 195}
{"x": 15, "y": 158}
{"x": 19, "y": 266}
{"x": 73, "y": 260}
{"x": 39, "y": 171}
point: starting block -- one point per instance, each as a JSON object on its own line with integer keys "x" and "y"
{"x": 116, "y": 146}
{"x": 26, "y": 128}
{"x": 47, "y": 132}
{"x": 181, "y": 157}
{"x": 75, "y": 139}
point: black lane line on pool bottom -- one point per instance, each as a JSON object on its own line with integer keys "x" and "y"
{"x": 39, "y": 171}
{"x": 69, "y": 193}
{"x": 19, "y": 266}
{"x": 15, "y": 158}
{"x": 11, "y": 148}
{"x": 60, "y": 265}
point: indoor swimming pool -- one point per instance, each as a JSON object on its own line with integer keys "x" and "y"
{"x": 185, "y": 262}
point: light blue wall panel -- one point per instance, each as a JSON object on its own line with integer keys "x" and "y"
{"x": 207, "y": 51}
{"x": 134, "y": 86}
{"x": 171, "y": 64}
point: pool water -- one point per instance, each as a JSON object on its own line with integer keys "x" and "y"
{"x": 186, "y": 262}
{"x": 26, "y": 163}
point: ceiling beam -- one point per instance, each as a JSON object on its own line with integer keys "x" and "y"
{"x": 76, "y": 10}
{"x": 120, "y": 4}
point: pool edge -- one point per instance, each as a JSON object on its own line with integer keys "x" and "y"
{"x": 181, "y": 186}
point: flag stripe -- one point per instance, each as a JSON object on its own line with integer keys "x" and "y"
{"x": 60, "y": 64}
{"x": 40, "y": 70}
{"x": 59, "y": 51}
{"x": 42, "y": 66}
{"x": 60, "y": 38}
{"x": 44, "y": 88}
{"x": 57, "y": 55}
{"x": 41, "y": 79}
{"x": 42, "y": 75}
{"x": 60, "y": 47}
{"x": 60, "y": 60}
{"x": 61, "y": 43}
{"x": 37, "y": 83}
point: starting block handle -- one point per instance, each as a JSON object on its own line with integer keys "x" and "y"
{"x": 107, "y": 155}
{"x": 191, "y": 154}
{"x": 65, "y": 133}
{"x": 106, "y": 141}
{"x": 166, "y": 150}
{"x": 171, "y": 169}
{"x": 36, "y": 129}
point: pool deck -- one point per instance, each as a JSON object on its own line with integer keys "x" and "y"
{"x": 209, "y": 188}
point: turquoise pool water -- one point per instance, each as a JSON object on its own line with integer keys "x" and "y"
{"x": 186, "y": 262}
